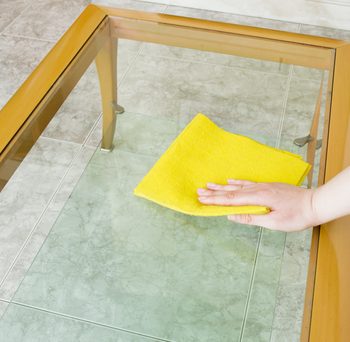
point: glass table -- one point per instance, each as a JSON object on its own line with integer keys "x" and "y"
{"x": 118, "y": 268}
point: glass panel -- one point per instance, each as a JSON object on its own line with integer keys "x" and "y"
{"x": 123, "y": 262}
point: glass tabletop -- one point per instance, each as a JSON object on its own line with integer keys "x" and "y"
{"x": 140, "y": 271}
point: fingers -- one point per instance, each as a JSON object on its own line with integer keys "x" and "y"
{"x": 266, "y": 221}
{"x": 239, "y": 182}
{"x": 205, "y": 192}
{"x": 232, "y": 185}
{"x": 239, "y": 197}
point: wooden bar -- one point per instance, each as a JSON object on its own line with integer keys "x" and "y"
{"x": 27, "y": 116}
{"x": 250, "y": 31}
{"x": 222, "y": 42}
{"x": 331, "y": 305}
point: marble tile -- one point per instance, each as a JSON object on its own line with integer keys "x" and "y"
{"x": 300, "y": 108}
{"x": 291, "y": 289}
{"x": 9, "y": 11}
{"x": 156, "y": 86}
{"x": 215, "y": 15}
{"x": 127, "y": 52}
{"x": 36, "y": 240}
{"x": 46, "y": 19}
{"x": 297, "y": 11}
{"x": 214, "y": 58}
{"x": 139, "y": 133}
{"x": 82, "y": 108}
{"x": 150, "y": 6}
{"x": 296, "y": 258}
{"x": 237, "y": 126}
{"x": 79, "y": 112}
{"x": 3, "y": 307}
{"x": 156, "y": 271}
{"x": 30, "y": 325}
{"x": 289, "y": 310}
{"x": 25, "y": 197}
{"x": 325, "y": 32}
{"x": 18, "y": 57}
{"x": 262, "y": 301}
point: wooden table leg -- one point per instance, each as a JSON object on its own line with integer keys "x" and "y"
{"x": 106, "y": 63}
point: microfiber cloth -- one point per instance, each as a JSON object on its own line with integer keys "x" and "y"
{"x": 202, "y": 153}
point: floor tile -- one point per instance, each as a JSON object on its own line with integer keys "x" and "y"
{"x": 325, "y": 32}
{"x": 132, "y": 4}
{"x": 257, "y": 131}
{"x": 82, "y": 108}
{"x": 79, "y": 112}
{"x": 46, "y": 19}
{"x": 9, "y": 11}
{"x": 18, "y": 58}
{"x": 36, "y": 240}
{"x": 3, "y": 307}
{"x": 289, "y": 312}
{"x": 233, "y": 18}
{"x": 30, "y": 325}
{"x": 291, "y": 288}
{"x": 156, "y": 86}
{"x": 215, "y": 58}
{"x": 139, "y": 133}
{"x": 297, "y": 11}
{"x": 27, "y": 194}
{"x": 156, "y": 271}
{"x": 300, "y": 109}
{"x": 262, "y": 301}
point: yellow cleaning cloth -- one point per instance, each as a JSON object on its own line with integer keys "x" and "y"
{"x": 204, "y": 153}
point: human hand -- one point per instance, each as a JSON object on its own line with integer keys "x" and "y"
{"x": 291, "y": 207}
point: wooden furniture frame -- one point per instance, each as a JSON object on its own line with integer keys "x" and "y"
{"x": 94, "y": 36}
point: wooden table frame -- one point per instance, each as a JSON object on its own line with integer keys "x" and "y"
{"x": 94, "y": 36}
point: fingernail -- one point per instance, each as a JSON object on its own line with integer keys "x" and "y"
{"x": 211, "y": 184}
{"x": 201, "y": 191}
{"x": 203, "y": 199}
{"x": 230, "y": 181}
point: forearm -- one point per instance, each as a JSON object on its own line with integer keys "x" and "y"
{"x": 332, "y": 200}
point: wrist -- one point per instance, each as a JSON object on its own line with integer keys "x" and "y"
{"x": 312, "y": 210}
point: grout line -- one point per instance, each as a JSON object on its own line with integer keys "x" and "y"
{"x": 60, "y": 140}
{"x": 91, "y": 131}
{"x": 139, "y": 52}
{"x": 28, "y": 38}
{"x": 80, "y": 319}
{"x": 278, "y": 141}
{"x": 14, "y": 19}
{"x": 278, "y": 285}
{"x": 284, "y": 110}
{"x": 25, "y": 243}
{"x": 188, "y": 60}
{"x": 250, "y": 290}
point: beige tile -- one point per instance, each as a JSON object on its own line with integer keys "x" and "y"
{"x": 300, "y": 109}
{"x": 26, "y": 195}
{"x": 325, "y": 32}
{"x": 233, "y": 18}
{"x": 36, "y": 240}
{"x": 47, "y": 19}
{"x": 132, "y": 4}
{"x": 79, "y": 112}
{"x": 214, "y": 58}
{"x": 170, "y": 88}
{"x": 10, "y": 10}
{"x": 18, "y": 57}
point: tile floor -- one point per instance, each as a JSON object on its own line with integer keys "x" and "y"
{"x": 139, "y": 278}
